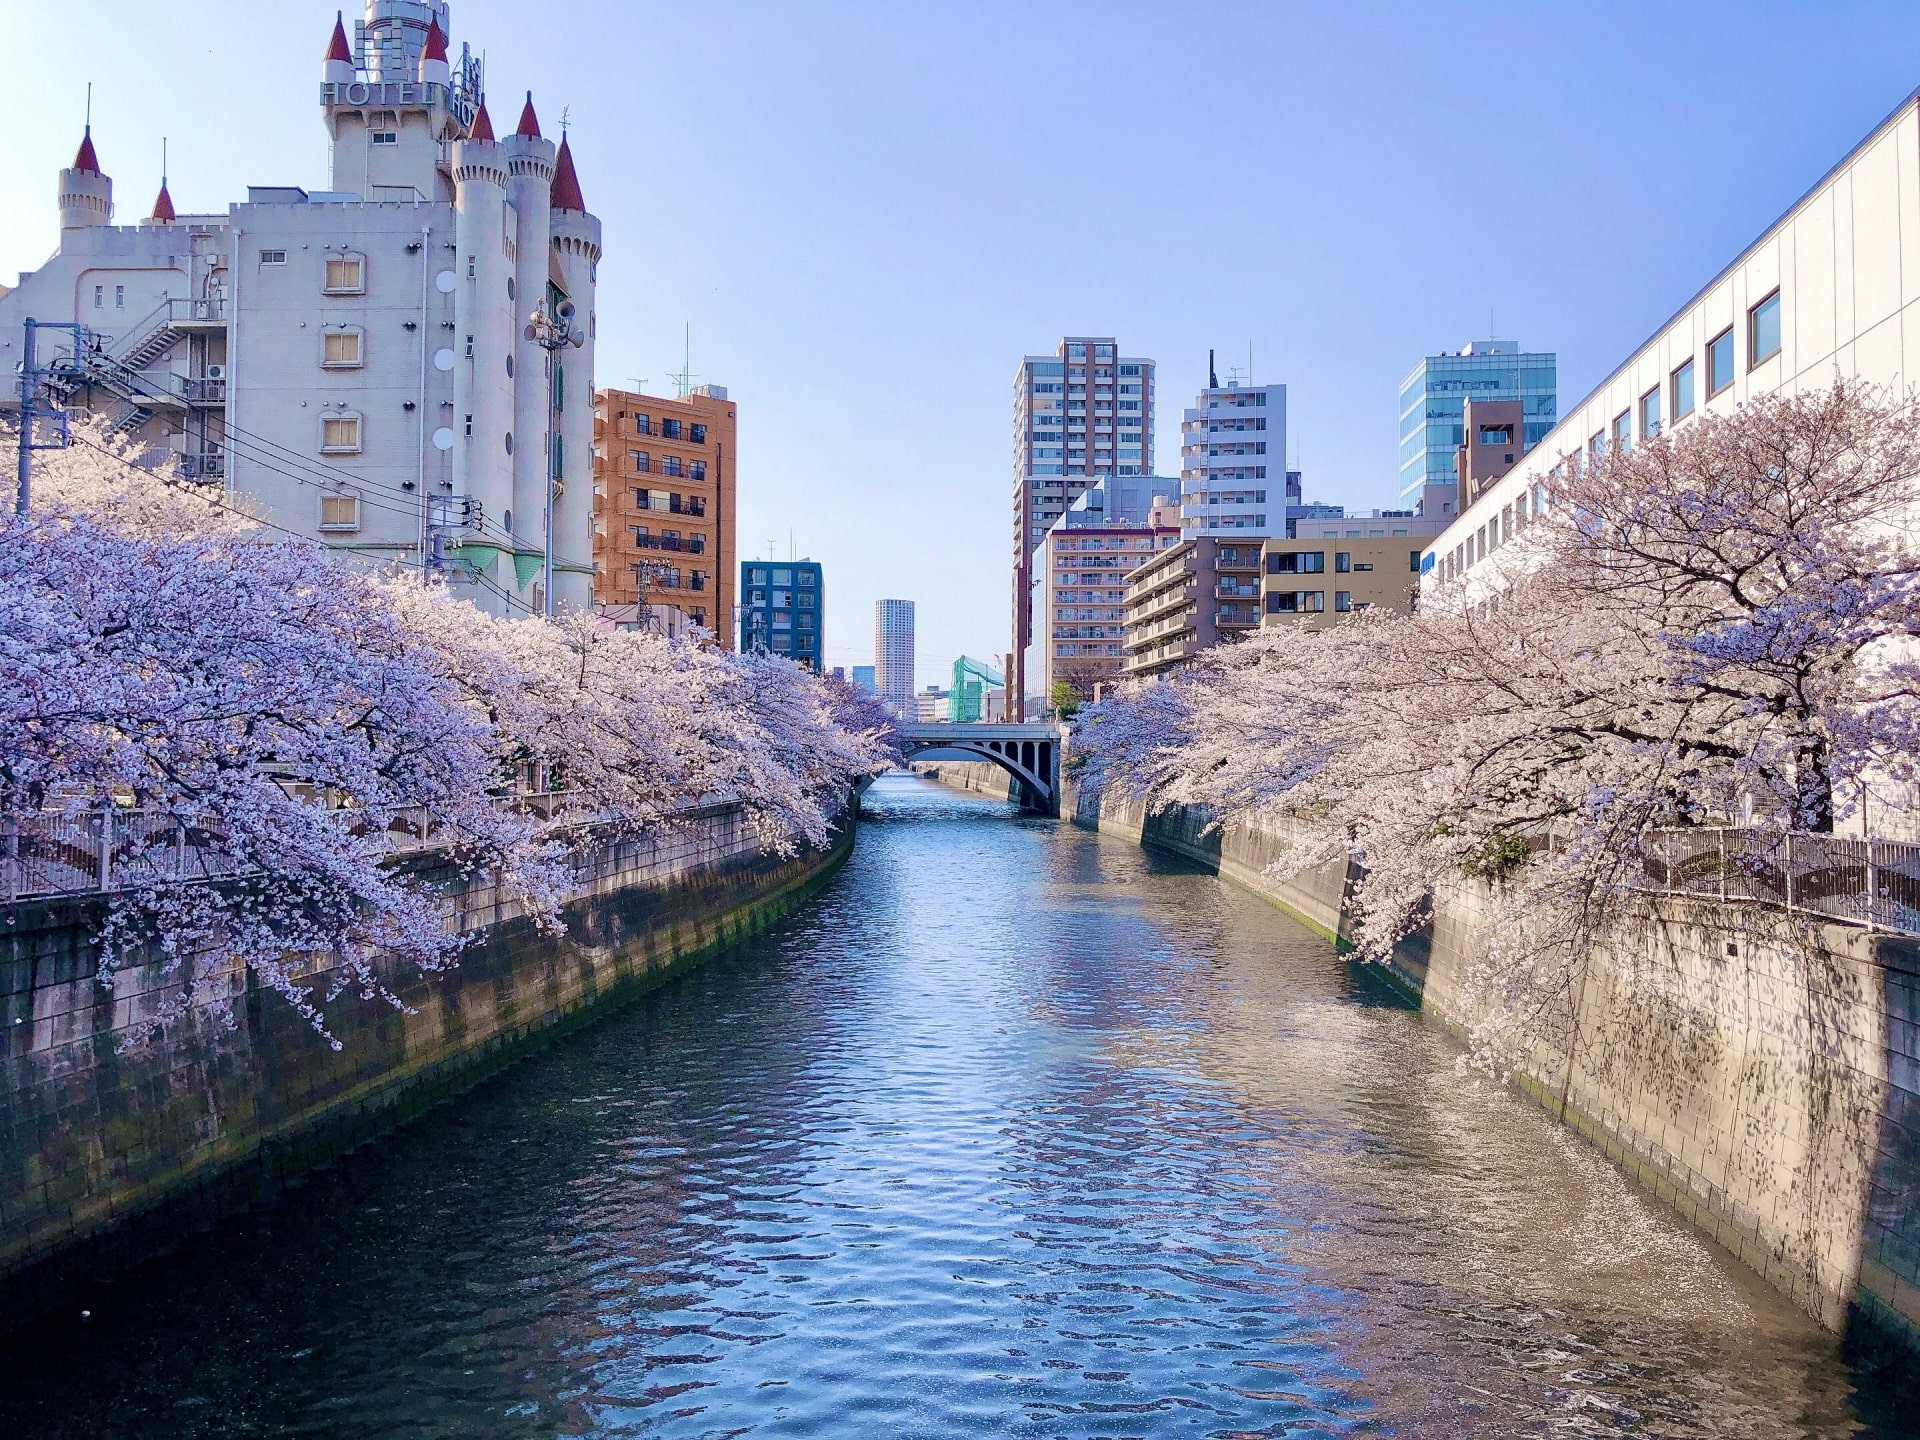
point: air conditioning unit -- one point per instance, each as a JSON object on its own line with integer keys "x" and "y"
{"x": 216, "y": 372}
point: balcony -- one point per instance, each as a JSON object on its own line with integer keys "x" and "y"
{"x": 202, "y": 391}
{"x": 1237, "y": 616}
{"x": 207, "y": 465}
{"x": 1232, "y": 590}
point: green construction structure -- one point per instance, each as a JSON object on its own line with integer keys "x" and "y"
{"x": 971, "y": 681}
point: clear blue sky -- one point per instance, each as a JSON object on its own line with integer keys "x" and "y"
{"x": 869, "y": 212}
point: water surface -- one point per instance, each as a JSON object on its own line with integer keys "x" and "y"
{"x": 1013, "y": 1131}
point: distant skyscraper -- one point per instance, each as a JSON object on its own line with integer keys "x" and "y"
{"x": 1079, "y": 414}
{"x": 893, "y": 654}
{"x": 863, "y": 678}
{"x": 783, "y": 609}
{"x": 1433, "y": 396}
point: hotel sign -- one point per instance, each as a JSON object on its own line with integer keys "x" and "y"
{"x": 383, "y": 94}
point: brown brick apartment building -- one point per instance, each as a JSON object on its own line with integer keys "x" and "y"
{"x": 663, "y": 508}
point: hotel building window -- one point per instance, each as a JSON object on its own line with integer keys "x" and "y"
{"x": 1650, "y": 414}
{"x": 1623, "y": 432}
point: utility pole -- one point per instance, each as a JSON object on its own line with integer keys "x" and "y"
{"x": 31, "y": 408}
{"x": 552, "y": 333}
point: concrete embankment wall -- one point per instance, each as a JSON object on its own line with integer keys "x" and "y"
{"x": 1761, "y": 1078}
{"x": 111, "y": 1145}
{"x": 982, "y": 777}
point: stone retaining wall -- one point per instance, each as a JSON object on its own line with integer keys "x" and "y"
{"x": 983, "y": 777}
{"x": 1761, "y": 1078}
{"x": 109, "y": 1149}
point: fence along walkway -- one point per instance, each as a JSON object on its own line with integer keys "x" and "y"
{"x": 46, "y": 855}
{"x": 1875, "y": 883}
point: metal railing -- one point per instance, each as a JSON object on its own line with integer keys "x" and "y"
{"x": 1875, "y": 883}
{"x": 50, "y": 854}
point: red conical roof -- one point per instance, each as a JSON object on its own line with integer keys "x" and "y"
{"x": 565, "y": 194}
{"x": 529, "y": 122}
{"x": 436, "y": 47}
{"x": 85, "y": 159}
{"x": 163, "y": 203}
{"x": 482, "y": 127}
{"x": 337, "y": 48}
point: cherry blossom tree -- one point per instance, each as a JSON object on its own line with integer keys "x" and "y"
{"x": 163, "y": 652}
{"x": 1715, "y": 627}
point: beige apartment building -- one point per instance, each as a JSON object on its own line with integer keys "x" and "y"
{"x": 1189, "y": 598}
{"x": 1313, "y": 580}
{"x": 663, "y": 510}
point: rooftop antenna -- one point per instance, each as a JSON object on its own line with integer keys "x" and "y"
{"x": 89, "y": 105}
{"x": 789, "y": 544}
{"x": 1213, "y": 380}
{"x": 163, "y": 162}
{"x": 684, "y": 380}
{"x": 639, "y": 383}
{"x": 1249, "y": 361}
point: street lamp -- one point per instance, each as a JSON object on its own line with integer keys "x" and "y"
{"x": 552, "y": 333}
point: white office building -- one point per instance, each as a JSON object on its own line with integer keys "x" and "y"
{"x": 357, "y": 359}
{"x": 1825, "y": 293}
{"x": 1233, "y": 453}
{"x": 893, "y": 656}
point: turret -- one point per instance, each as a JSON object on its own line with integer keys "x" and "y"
{"x": 576, "y": 256}
{"x": 337, "y": 68}
{"x": 86, "y": 195}
{"x": 434, "y": 69}
{"x": 530, "y": 160}
{"x": 486, "y": 327}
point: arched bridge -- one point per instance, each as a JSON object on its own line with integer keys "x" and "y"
{"x": 1029, "y": 753}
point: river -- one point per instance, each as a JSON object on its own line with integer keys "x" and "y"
{"x": 1014, "y": 1130}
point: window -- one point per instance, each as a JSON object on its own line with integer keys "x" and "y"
{"x": 696, "y": 504}
{"x": 806, "y": 577}
{"x": 696, "y": 469}
{"x": 99, "y": 297}
{"x": 1650, "y": 414}
{"x": 1496, "y": 434}
{"x": 669, "y": 464}
{"x": 696, "y": 580}
{"x": 339, "y": 434}
{"x": 119, "y": 297}
{"x": 386, "y": 137}
{"x": 339, "y": 512}
{"x": 1295, "y": 602}
{"x": 642, "y": 425}
{"x": 756, "y": 576}
{"x": 346, "y": 275}
{"x": 341, "y": 349}
{"x": 641, "y": 460}
{"x": 1596, "y": 447}
{"x": 1342, "y": 600}
{"x": 1413, "y": 561}
{"x": 1623, "y": 432}
{"x": 697, "y": 434}
{"x": 273, "y": 257}
{"x": 1763, "y": 331}
{"x": 1681, "y": 385}
{"x": 670, "y": 429}
{"x": 1719, "y": 362}
{"x": 1342, "y": 562}
{"x": 1310, "y": 562}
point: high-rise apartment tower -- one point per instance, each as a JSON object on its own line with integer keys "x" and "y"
{"x": 1233, "y": 459}
{"x": 1082, "y": 413}
{"x": 893, "y": 654}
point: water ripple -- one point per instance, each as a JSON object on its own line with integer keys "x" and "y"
{"x": 1016, "y": 1132}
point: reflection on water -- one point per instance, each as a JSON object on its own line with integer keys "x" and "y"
{"x": 1015, "y": 1131}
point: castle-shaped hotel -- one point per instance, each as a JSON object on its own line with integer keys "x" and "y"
{"x": 399, "y": 366}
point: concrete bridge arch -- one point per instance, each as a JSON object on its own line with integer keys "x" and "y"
{"x": 1029, "y": 753}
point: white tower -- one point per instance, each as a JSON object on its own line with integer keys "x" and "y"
{"x": 86, "y": 196}
{"x": 484, "y": 331}
{"x": 576, "y": 253}
{"x": 529, "y": 189}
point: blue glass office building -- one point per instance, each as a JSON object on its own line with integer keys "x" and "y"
{"x": 1432, "y": 396}
{"x": 783, "y": 609}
